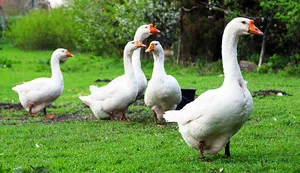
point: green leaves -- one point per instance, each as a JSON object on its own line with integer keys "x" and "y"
{"x": 286, "y": 12}
{"x": 104, "y": 27}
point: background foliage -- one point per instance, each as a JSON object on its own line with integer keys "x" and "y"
{"x": 193, "y": 28}
{"x": 113, "y": 23}
{"x": 41, "y": 29}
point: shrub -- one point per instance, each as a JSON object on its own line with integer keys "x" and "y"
{"x": 4, "y": 62}
{"x": 106, "y": 26}
{"x": 273, "y": 63}
{"x": 42, "y": 29}
{"x": 210, "y": 68}
{"x": 97, "y": 26}
{"x": 286, "y": 65}
{"x": 277, "y": 62}
{"x": 293, "y": 67}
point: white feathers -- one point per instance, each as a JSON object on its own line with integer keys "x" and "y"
{"x": 216, "y": 115}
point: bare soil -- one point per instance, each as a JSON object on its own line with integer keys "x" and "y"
{"x": 271, "y": 92}
{"x": 62, "y": 118}
{"x": 103, "y": 80}
{"x": 10, "y": 106}
{"x": 65, "y": 117}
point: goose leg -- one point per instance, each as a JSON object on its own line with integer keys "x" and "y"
{"x": 123, "y": 117}
{"x": 200, "y": 150}
{"x": 30, "y": 109}
{"x": 155, "y": 116}
{"x": 45, "y": 112}
{"x": 48, "y": 116}
{"x": 227, "y": 151}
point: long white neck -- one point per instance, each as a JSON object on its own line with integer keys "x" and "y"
{"x": 158, "y": 68}
{"x": 128, "y": 64}
{"x": 136, "y": 57}
{"x": 231, "y": 67}
{"x": 55, "y": 68}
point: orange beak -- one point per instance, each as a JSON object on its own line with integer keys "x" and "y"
{"x": 68, "y": 54}
{"x": 151, "y": 47}
{"x": 253, "y": 29}
{"x": 139, "y": 44}
{"x": 153, "y": 30}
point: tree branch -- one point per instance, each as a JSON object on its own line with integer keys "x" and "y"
{"x": 213, "y": 7}
{"x": 189, "y": 10}
{"x": 263, "y": 45}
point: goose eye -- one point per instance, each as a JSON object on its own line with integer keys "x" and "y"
{"x": 155, "y": 44}
{"x": 132, "y": 42}
{"x": 243, "y": 22}
{"x": 146, "y": 26}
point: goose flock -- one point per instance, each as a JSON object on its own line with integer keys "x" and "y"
{"x": 206, "y": 124}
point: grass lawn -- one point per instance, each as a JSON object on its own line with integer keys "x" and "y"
{"x": 77, "y": 142}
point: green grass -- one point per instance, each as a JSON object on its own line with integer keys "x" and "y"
{"x": 269, "y": 141}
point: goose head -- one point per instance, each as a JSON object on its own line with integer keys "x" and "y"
{"x": 243, "y": 26}
{"x": 145, "y": 31}
{"x": 155, "y": 47}
{"x": 62, "y": 54}
{"x": 132, "y": 46}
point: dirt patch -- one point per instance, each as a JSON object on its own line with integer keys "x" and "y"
{"x": 63, "y": 118}
{"x": 103, "y": 80}
{"x": 10, "y": 106}
{"x": 271, "y": 92}
{"x": 13, "y": 118}
{"x": 7, "y": 120}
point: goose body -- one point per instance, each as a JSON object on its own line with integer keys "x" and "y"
{"x": 163, "y": 92}
{"x": 113, "y": 99}
{"x": 143, "y": 32}
{"x": 37, "y": 94}
{"x": 208, "y": 123}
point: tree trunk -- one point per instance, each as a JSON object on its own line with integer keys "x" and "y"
{"x": 263, "y": 45}
{"x": 180, "y": 35}
{"x": 33, "y": 3}
{"x": 2, "y": 20}
{"x": 199, "y": 33}
{"x": 184, "y": 43}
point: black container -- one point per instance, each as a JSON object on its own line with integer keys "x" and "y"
{"x": 188, "y": 95}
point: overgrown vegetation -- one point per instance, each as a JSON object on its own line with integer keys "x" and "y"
{"x": 42, "y": 29}
{"x": 101, "y": 27}
{"x": 287, "y": 65}
{"x": 104, "y": 24}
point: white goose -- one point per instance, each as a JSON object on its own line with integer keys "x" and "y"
{"x": 208, "y": 123}
{"x": 37, "y": 94}
{"x": 141, "y": 34}
{"x": 113, "y": 99}
{"x": 163, "y": 92}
